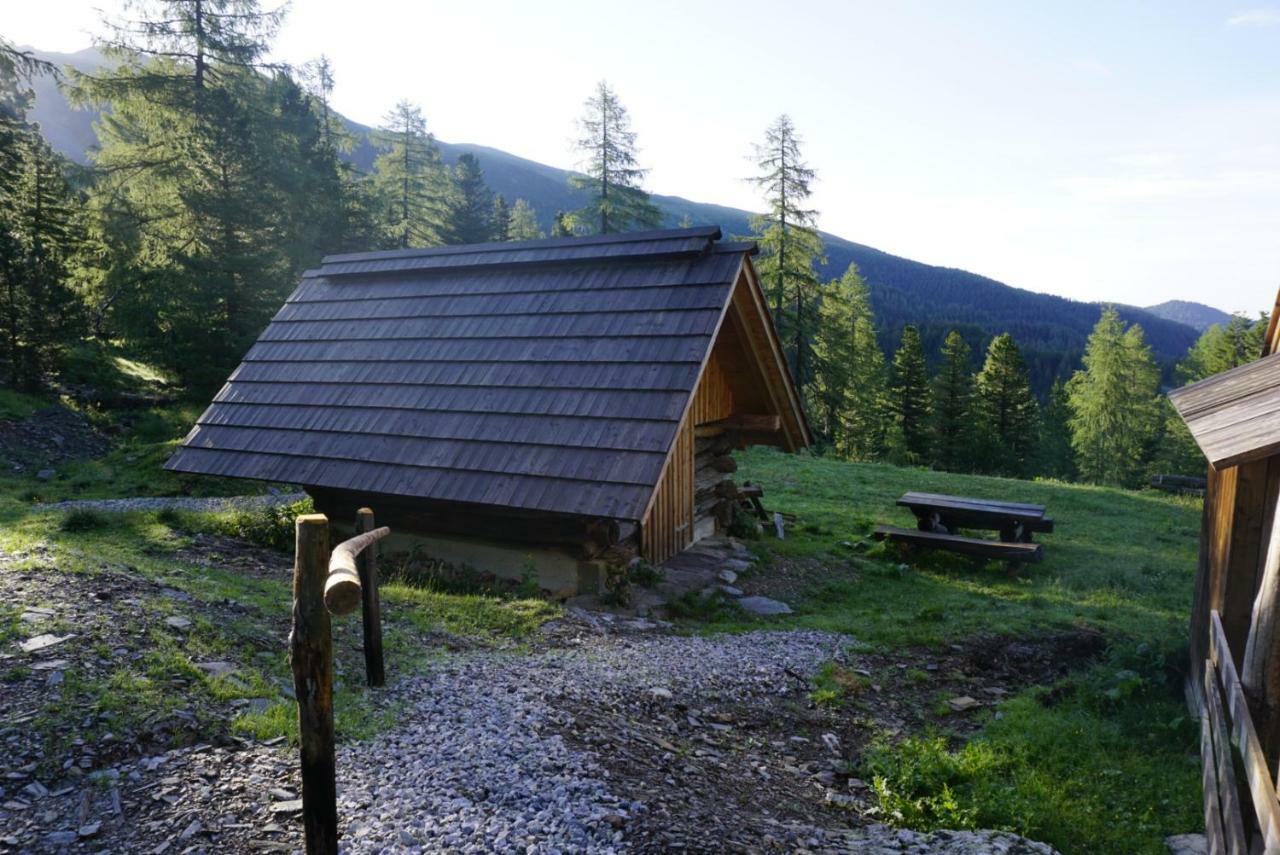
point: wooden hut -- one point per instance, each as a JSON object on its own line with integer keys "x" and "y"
{"x": 555, "y": 398}
{"x": 1234, "y": 681}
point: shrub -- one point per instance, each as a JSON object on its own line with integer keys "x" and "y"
{"x": 269, "y": 525}
{"x": 82, "y": 519}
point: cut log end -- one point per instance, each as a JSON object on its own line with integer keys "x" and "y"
{"x": 342, "y": 593}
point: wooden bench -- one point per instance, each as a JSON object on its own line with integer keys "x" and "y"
{"x": 942, "y": 514}
{"x": 996, "y": 550}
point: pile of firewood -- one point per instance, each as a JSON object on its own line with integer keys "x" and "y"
{"x": 714, "y": 490}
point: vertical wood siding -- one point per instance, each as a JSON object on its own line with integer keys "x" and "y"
{"x": 669, "y": 526}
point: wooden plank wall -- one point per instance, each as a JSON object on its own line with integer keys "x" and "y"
{"x": 669, "y": 526}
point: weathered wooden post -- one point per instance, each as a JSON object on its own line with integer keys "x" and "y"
{"x": 371, "y": 608}
{"x": 311, "y": 658}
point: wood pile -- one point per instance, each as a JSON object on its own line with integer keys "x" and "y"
{"x": 714, "y": 489}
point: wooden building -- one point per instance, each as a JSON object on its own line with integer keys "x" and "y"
{"x": 561, "y": 394}
{"x": 1234, "y": 683}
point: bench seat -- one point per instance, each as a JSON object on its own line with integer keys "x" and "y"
{"x": 993, "y": 549}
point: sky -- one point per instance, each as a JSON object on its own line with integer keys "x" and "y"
{"x": 1116, "y": 151}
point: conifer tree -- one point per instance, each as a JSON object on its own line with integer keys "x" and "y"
{"x": 789, "y": 244}
{"x": 40, "y": 234}
{"x": 953, "y": 426}
{"x": 473, "y": 202}
{"x": 1221, "y": 348}
{"x": 412, "y": 182}
{"x": 524, "y": 222}
{"x": 1055, "y": 458}
{"x": 1006, "y": 409}
{"x": 844, "y": 303}
{"x": 1114, "y": 409}
{"x": 911, "y": 398}
{"x": 867, "y": 429}
{"x": 501, "y": 218}
{"x": 197, "y": 227}
{"x": 562, "y": 225}
{"x": 611, "y": 175}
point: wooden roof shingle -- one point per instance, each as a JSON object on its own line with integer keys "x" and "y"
{"x": 1234, "y": 416}
{"x": 542, "y": 375}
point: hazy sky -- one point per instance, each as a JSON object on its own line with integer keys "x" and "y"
{"x": 1112, "y": 150}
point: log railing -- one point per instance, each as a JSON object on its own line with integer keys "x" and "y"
{"x": 1233, "y": 760}
{"x": 325, "y": 583}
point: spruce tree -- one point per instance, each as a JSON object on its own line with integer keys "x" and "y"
{"x": 501, "y": 219}
{"x": 472, "y": 202}
{"x": 844, "y": 303}
{"x": 40, "y": 235}
{"x": 953, "y": 425}
{"x": 867, "y": 429}
{"x": 789, "y": 244}
{"x": 611, "y": 175}
{"x": 1114, "y": 409}
{"x": 1055, "y": 458}
{"x": 911, "y": 398}
{"x": 1006, "y": 409}
{"x": 524, "y": 222}
{"x": 411, "y": 181}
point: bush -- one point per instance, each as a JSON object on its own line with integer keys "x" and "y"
{"x": 82, "y": 519}
{"x": 743, "y": 524}
{"x": 269, "y": 525}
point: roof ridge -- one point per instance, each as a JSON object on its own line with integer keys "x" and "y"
{"x": 711, "y": 233}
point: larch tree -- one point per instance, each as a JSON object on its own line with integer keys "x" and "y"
{"x": 1006, "y": 409}
{"x": 953, "y": 426}
{"x": 197, "y": 226}
{"x": 790, "y": 246}
{"x": 562, "y": 225}
{"x": 1114, "y": 409}
{"x": 611, "y": 175}
{"x": 524, "y": 222}
{"x": 500, "y": 217}
{"x": 911, "y": 398}
{"x": 411, "y": 182}
{"x": 472, "y": 218}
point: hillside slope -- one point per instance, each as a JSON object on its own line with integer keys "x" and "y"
{"x": 1050, "y": 329}
{"x": 1195, "y": 315}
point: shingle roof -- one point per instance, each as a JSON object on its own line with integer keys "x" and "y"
{"x": 1234, "y": 416}
{"x": 543, "y": 375}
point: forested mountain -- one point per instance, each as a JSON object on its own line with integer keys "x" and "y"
{"x": 1050, "y": 330}
{"x": 1196, "y": 315}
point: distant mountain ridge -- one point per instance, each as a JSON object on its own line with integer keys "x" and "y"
{"x": 1198, "y": 316}
{"x": 1050, "y": 330}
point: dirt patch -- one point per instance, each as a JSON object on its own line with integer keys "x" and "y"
{"x": 48, "y": 438}
{"x": 784, "y": 770}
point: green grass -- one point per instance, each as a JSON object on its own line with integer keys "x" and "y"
{"x": 165, "y": 679}
{"x": 1119, "y": 561}
{"x": 1106, "y": 761}
{"x": 15, "y": 405}
{"x": 1068, "y": 766}
{"x": 133, "y": 467}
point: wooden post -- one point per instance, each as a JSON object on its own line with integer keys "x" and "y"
{"x": 311, "y": 659}
{"x": 371, "y": 608}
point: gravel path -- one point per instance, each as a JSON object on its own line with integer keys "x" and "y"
{"x": 480, "y": 764}
{"x": 181, "y": 503}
